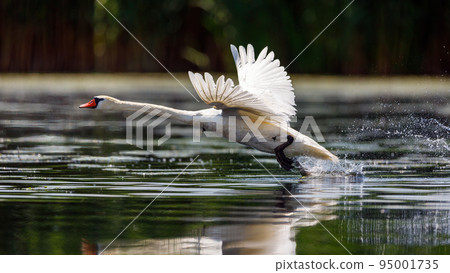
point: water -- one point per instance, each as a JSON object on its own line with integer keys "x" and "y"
{"x": 69, "y": 182}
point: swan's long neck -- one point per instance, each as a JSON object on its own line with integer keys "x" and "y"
{"x": 180, "y": 115}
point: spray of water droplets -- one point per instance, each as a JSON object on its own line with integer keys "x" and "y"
{"x": 327, "y": 168}
{"x": 417, "y": 135}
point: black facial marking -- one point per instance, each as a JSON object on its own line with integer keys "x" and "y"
{"x": 97, "y": 100}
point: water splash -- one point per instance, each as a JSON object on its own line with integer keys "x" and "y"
{"x": 425, "y": 134}
{"x": 326, "y": 168}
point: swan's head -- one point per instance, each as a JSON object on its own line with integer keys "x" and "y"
{"x": 101, "y": 102}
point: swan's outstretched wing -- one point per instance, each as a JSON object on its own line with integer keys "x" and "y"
{"x": 223, "y": 94}
{"x": 266, "y": 79}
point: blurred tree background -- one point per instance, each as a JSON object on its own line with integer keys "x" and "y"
{"x": 371, "y": 37}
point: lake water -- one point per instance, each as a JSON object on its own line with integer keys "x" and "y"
{"x": 70, "y": 184}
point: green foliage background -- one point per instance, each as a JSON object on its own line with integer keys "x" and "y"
{"x": 371, "y": 37}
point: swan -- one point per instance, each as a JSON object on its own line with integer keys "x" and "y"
{"x": 263, "y": 99}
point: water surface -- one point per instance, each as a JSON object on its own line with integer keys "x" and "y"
{"x": 69, "y": 182}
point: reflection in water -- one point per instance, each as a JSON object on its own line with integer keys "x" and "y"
{"x": 267, "y": 238}
{"x": 69, "y": 184}
{"x": 382, "y": 227}
{"x": 266, "y": 233}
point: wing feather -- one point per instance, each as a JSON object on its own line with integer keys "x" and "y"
{"x": 261, "y": 55}
{"x": 266, "y": 79}
{"x": 219, "y": 86}
{"x": 211, "y": 86}
{"x": 223, "y": 94}
{"x": 264, "y": 86}
{"x": 242, "y": 54}
{"x": 204, "y": 87}
{"x": 250, "y": 53}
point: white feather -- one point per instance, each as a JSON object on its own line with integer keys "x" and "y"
{"x": 264, "y": 86}
{"x": 224, "y": 94}
{"x": 266, "y": 79}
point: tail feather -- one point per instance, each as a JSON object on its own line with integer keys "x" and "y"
{"x": 312, "y": 149}
{"x": 321, "y": 153}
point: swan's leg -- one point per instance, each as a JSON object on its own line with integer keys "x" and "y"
{"x": 284, "y": 161}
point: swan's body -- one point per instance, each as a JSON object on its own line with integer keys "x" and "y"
{"x": 263, "y": 98}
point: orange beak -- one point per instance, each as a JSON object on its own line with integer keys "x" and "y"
{"x": 90, "y": 104}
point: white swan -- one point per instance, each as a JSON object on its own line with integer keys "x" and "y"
{"x": 259, "y": 108}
